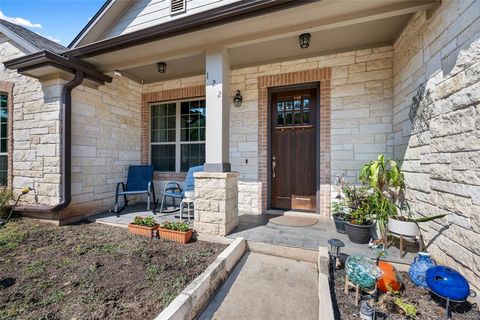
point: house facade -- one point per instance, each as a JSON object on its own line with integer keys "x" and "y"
{"x": 155, "y": 81}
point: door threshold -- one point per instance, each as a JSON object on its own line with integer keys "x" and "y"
{"x": 293, "y": 213}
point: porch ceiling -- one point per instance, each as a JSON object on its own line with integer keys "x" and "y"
{"x": 363, "y": 35}
{"x": 335, "y": 26}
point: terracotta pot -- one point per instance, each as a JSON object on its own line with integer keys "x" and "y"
{"x": 403, "y": 228}
{"x": 142, "y": 230}
{"x": 177, "y": 236}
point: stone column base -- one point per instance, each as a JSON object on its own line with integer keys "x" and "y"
{"x": 216, "y": 202}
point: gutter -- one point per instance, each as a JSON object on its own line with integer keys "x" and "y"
{"x": 66, "y": 149}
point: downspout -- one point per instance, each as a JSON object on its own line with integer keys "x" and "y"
{"x": 66, "y": 149}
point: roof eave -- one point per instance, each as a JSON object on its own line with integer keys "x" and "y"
{"x": 217, "y": 16}
{"x": 47, "y": 58}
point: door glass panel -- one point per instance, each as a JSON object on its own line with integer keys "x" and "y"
{"x": 297, "y": 118}
{"x": 288, "y": 118}
{"x": 306, "y": 103}
{"x": 289, "y": 105}
{"x": 280, "y": 119}
{"x": 306, "y": 116}
{"x": 297, "y": 104}
{"x": 280, "y": 106}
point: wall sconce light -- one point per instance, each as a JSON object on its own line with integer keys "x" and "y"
{"x": 304, "y": 39}
{"x": 162, "y": 67}
{"x": 237, "y": 100}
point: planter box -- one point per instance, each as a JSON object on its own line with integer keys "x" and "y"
{"x": 177, "y": 236}
{"x": 358, "y": 233}
{"x": 142, "y": 230}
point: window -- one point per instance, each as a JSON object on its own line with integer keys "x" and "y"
{"x": 293, "y": 110}
{"x": 3, "y": 139}
{"x": 178, "y": 6}
{"x": 178, "y": 135}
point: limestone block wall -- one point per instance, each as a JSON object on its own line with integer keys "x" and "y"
{"x": 437, "y": 62}
{"x": 105, "y": 141}
{"x": 361, "y": 109}
{"x": 36, "y": 131}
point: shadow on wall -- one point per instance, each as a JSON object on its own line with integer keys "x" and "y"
{"x": 440, "y": 140}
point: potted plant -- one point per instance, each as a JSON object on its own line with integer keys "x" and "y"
{"x": 176, "y": 231}
{"x": 338, "y": 213}
{"x": 359, "y": 222}
{"x": 386, "y": 178}
{"x": 143, "y": 226}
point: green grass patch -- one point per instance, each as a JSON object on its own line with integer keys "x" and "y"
{"x": 11, "y": 237}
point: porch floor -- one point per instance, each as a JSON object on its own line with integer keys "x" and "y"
{"x": 258, "y": 228}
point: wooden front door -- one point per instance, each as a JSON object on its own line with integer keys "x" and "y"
{"x": 293, "y": 150}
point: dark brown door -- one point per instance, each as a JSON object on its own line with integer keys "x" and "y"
{"x": 293, "y": 150}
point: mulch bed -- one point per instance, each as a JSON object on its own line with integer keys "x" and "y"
{"x": 92, "y": 271}
{"x": 429, "y": 307}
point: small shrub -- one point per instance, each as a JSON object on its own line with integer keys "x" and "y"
{"x": 147, "y": 221}
{"x": 176, "y": 226}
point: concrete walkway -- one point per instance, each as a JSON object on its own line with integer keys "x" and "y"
{"x": 267, "y": 287}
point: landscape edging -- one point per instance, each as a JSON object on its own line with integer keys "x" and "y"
{"x": 197, "y": 294}
{"x": 325, "y": 306}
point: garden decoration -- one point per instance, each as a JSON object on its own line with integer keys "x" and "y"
{"x": 448, "y": 284}
{"x": 418, "y": 269}
{"x": 6, "y": 197}
{"x": 335, "y": 247}
{"x": 361, "y": 273}
{"x": 390, "y": 277}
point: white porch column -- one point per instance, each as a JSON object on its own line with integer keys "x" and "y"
{"x": 218, "y": 111}
{"x": 216, "y": 189}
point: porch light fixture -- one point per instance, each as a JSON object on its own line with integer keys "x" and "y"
{"x": 304, "y": 39}
{"x": 162, "y": 67}
{"x": 237, "y": 100}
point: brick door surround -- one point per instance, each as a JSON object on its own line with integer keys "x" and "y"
{"x": 323, "y": 76}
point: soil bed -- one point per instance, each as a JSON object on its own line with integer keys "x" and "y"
{"x": 92, "y": 271}
{"x": 429, "y": 307}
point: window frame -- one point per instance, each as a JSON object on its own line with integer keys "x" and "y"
{"x": 178, "y": 133}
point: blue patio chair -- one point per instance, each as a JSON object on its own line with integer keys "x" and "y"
{"x": 139, "y": 181}
{"x": 173, "y": 189}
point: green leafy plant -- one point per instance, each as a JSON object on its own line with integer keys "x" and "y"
{"x": 176, "y": 226}
{"x": 384, "y": 176}
{"x": 339, "y": 209}
{"x": 146, "y": 221}
{"x": 363, "y": 213}
{"x": 407, "y": 308}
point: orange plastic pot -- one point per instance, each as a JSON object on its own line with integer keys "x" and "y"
{"x": 177, "y": 236}
{"x": 389, "y": 277}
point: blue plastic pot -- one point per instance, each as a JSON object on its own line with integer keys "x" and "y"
{"x": 447, "y": 283}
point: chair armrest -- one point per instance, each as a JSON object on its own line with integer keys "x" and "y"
{"x": 171, "y": 185}
{"x": 190, "y": 187}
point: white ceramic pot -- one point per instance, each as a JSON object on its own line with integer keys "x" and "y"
{"x": 190, "y": 195}
{"x": 404, "y": 228}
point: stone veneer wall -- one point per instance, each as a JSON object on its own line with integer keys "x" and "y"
{"x": 441, "y": 50}
{"x": 36, "y": 131}
{"x": 106, "y": 135}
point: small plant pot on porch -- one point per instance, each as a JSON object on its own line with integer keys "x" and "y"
{"x": 406, "y": 229}
{"x": 177, "y": 236}
{"x": 143, "y": 231}
{"x": 339, "y": 224}
{"x": 358, "y": 233}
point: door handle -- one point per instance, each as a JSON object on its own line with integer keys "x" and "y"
{"x": 273, "y": 168}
